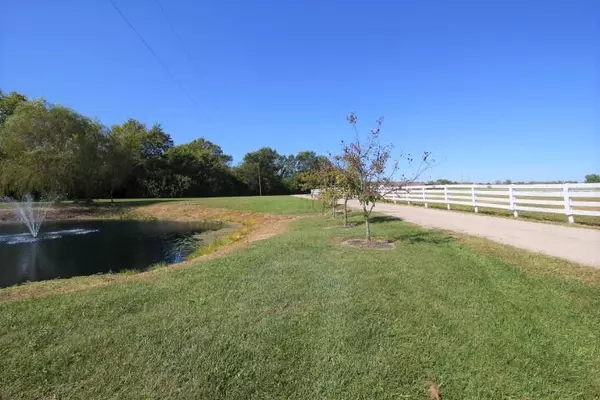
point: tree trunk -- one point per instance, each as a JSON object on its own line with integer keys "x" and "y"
{"x": 368, "y": 228}
{"x": 333, "y": 208}
{"x": 112, "y": 200}
{"x": 345, "y": 212}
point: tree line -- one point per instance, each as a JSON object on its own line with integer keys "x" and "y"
{"x": 51, "y": 149}
{"x": 591, "y": 178}
{"x": 48, "y": 149}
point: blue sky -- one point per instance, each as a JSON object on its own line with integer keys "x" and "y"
{"x": 495, "y": 89}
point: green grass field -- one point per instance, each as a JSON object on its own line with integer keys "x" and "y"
{"x": 286, "y": 205}
{"x": 270, "y": 204}
{"x": 267, "y": 204}
{"x": 300, "y": 316}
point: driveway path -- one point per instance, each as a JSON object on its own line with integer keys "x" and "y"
{"x": 580, "y": 245}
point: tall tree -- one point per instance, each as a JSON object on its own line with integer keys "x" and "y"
{"x": 205, "y": 163}
{"x": 50, "y": 148}
{"x": 123, "y": 153}
{"x": 260, "y": 171}
{"x": 9, "y": 103}
{"x": 293, "y": 166}
{"x": 156, "y": 142}
{"x": 307, "y": 161}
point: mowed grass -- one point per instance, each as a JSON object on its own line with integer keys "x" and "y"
{"x": 264, "y": 204}
{"x": 267, "y": 204}
{"x": 300, "y": 316}
{"x": 287, "y": 205}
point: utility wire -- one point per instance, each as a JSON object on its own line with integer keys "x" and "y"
{"x": 177, "y": 35}
{"x": 161, "y": 62}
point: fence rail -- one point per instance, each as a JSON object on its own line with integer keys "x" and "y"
{"x": 569, "y": 199}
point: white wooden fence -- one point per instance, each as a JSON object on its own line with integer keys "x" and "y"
{"x": 569, "y": 199}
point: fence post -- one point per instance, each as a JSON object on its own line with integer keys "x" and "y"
{"x": 567, "y": 200}
{"x": 424, "y": 197}
{"x": 511, "y": 200}
{"x": 407, "y": 198}
{"x": 446, "y": 197}
{"x": 474, "y": 199}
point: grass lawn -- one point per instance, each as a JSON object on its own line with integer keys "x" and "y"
{"x": 300, "y": 316}
{"x": 267, "y": 204}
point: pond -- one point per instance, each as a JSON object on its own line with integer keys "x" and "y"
{"x": 73, "y": 248}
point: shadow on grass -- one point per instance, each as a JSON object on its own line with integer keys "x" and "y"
{"x": 429, "y": 237}
{"x": 383, "y": 218}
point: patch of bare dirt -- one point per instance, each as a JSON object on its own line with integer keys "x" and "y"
{"x": 370, "y": 244}
{"x": 253, "y": 227}
{"x": 434, "y": 392}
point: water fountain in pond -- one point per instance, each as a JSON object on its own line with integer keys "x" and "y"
{"x": 31, "y": 214}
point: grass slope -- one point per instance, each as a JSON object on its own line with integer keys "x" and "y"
{"x": 265, "y": 204}
{"x": 299, "y": 316}
{"x": 268, "y": 204}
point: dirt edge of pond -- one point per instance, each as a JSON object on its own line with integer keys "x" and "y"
{"x": 253, "y": 227}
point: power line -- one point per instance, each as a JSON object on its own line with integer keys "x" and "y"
{"x": 177, "y": 35}
{"x": 161, "y": 62}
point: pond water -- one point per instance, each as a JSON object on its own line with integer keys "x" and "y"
{"x": 72, "y": 248}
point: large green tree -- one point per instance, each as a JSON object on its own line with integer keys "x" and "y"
{"x": 205, "y": 163}
{"x": 123, "y": 153}
{"x": 294, "y": 166}
{"x": 135, "y": 164}
{"x": 9, "y": 103}
{"x": 592, "y": 178}
{"x": 260, "y": 170}
{"x": 49, "y": 148}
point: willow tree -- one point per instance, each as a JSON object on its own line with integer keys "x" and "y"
{"x": 50, "y": 149}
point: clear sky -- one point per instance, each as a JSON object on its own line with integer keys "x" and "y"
{"x": 495, "y": 89}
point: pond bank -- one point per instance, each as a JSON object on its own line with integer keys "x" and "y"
{"x": 249, "y": 227}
